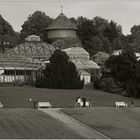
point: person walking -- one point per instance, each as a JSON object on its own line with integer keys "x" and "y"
{"x": 79, "y": 102}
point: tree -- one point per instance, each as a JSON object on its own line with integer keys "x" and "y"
{"x": 117, "y": 44}
{"x": 122, "y": 67}
{"x": 133, "y": 86}
{"x": 60, "y": 73}
{"x": 36, "y": 24}
{"x": 99, "y": 34}
{"x": 135, "y": 30}
{"x": 134, "y": 38}
{"x": 6, "y": 28}
{"x": 100, "y": 58}
{"x": 112, "y": 31}
{"x": 125, "y": 69}
{"x": 7, "y": 33}
{"x": 106, "y": 45}
{"x": 100, "y": 24}
{"x": 97, "y": 44}
{"x": 85, "y": 28}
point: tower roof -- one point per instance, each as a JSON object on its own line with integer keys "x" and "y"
{"x": 62, "y": 22}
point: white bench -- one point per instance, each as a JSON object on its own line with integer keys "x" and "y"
{"x": 119, "y": 104}
{"x": 87, "y": 104}
{"x": 44, "y": 105}
{"x": 1, "y": 105}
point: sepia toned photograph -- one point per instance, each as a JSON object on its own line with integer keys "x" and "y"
{"x": 69, "y": 69}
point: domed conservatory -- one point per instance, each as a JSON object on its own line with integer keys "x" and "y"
{"x": 23, "y": 62}
{"x": 20, "y": 64}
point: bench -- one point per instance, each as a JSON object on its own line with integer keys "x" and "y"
{"x": 120, "y": 104}
{"x": 44, "y": 105}
{"x": 87, "y": 104}
{"x": 1, "y": 105}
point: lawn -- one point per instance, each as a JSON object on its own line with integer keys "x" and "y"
{"x": 117, "y": 123}
{"x": 31, "y": 124}
{"x": 18, "y": 97}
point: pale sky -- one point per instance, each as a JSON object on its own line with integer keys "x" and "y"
{"x": 124, "y": 12}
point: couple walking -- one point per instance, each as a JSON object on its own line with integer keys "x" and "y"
{"x": 80, "y": 102}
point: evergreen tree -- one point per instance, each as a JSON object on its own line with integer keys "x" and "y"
{"x": 122, "y": 67}
{"x": 6, "y": 28}
{"x": 111, "y": 31}
{"x": 117, "y": 44}
{"x": 60, "y": 73}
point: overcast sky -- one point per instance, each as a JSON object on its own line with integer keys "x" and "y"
{"x": 124, "y": 12}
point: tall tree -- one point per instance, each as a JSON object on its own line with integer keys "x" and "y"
{"x": 6, "y": 28}
{"x": 111, "y": 31}
{"x": 122, "y": 67}
{"x": 100, "y": 24}
{"x": 117, "y": 44}
{"x": 60, "y": 73}
{"x": 134, "y": 38}
{"x": 85, "y": 28}
{"x": 36, "y": 24}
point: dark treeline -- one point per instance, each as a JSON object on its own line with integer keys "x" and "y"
{"x": 97, "y": 34}
{"x": 125, "y": 70}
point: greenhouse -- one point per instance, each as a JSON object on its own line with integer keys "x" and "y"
{"x": 20, "y": 64}
{"x": 81, "y": 58}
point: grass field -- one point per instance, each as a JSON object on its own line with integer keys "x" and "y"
{"x": 117, "y": 123}
{"x": 18, "y": 97}
{"x": 31, "y": 123}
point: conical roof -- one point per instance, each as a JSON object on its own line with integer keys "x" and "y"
{"x": 62, "y": 22}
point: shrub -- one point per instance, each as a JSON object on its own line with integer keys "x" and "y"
{"x": 97, "y": 84}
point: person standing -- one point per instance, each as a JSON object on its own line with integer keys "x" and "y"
{"x": 90, "y": 103}
{"x": 79, "y": 102}
{"x": 84, "y": 102}
{"x": 132, "y": 104}
{"x": 76, "y": 100}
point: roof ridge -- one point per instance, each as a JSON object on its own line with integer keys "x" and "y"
{"x": 62, "y": 22}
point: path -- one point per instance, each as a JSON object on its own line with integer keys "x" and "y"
{"x": 82, "y": 129}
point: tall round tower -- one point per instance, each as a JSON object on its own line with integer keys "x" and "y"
{"x": 61, "y": 28}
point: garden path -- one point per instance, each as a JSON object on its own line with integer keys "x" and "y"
{"x": 82, "y": 129}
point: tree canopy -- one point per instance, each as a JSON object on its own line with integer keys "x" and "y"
{"x": 6, "y": 28}
{"x": 122, "y": 66}
{"x": 36, "y": 24}
{"x": 125, "y": 68}
{"x": 134, "y": 38}
{"x": 99, "y": 34}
